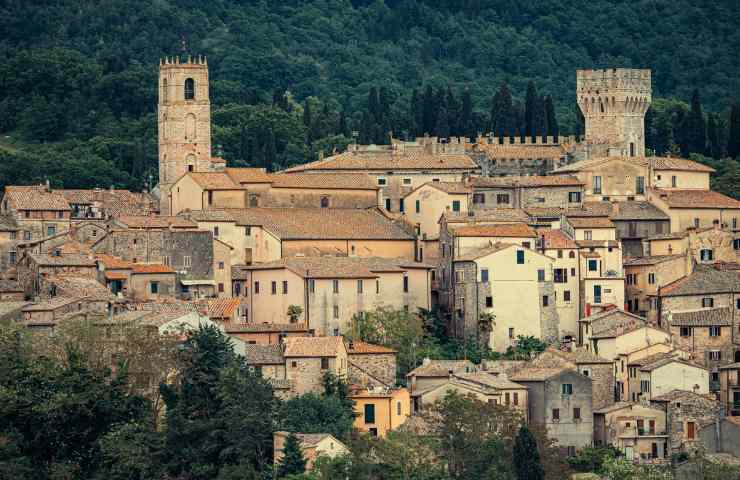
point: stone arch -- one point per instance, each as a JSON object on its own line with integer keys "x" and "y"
{"x": 189, "y": 89}
{"x": 191, "y": 129}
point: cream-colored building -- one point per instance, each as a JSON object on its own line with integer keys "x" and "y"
{"x": 696, "y": 208}
{"x": 378, "y": 410}
{"x": 566, "y": 278}
{"x": 512, "y": 283}
{"x": 627, "y": 383}
{"x": 705, "y": 245}
{"x": 604, "y": 333}
{"x": 313, "y": 446}
{"x": 645, "y": 275}
{"x": 331, "y": 290}
{"x": 425, "y": 205}
{"x": 668, "y": 374}
{"x": 637, "y": 430}
{"x": 37, "y": 211}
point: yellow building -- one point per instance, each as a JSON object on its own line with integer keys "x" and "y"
{"x": 696, "y": 208}
{"x": 705, "y": 245}
{"x": 379, "y": 410}
{"x": 627, "y": 384}
{"x": 566, "y": 278}
{"x": 425, "y": 205}
{"x": 644, "y": 276}
{"x": 638, "y": 431}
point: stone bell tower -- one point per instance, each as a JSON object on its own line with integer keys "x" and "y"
{"x": 614, "y": 102}
{"x": 184, "y": 121}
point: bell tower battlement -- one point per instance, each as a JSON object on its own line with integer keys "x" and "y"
{"x": 184, "y": 121}
{"x": 614, "y": 102}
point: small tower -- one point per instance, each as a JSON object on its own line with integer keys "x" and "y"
{"x": 614, "y": 102}
{"x": 184, "y": 121}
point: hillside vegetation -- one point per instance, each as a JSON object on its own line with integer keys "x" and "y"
{"x": 290, "y": 78}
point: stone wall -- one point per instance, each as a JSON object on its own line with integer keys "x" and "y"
{"x": 372, "y": 368}
{"x": 687, "y": 407}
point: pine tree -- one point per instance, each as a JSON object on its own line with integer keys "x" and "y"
{"x": 696, "y": 133}
{"x": 733, "y": 140}
{"x": 551, "y": 121}
{"x": 527, "y": 456}
{"x": 292, "y": 462}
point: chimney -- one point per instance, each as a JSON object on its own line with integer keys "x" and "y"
{"x": 48, "y": 185}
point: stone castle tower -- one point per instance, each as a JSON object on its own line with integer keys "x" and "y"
{"x": 184, "y": 120}
{"x": 614, "y": 102}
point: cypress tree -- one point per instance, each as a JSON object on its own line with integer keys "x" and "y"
{"x": 733, "y": 140}
{"x": 308, "y": 121}
{"x": 453, "y": 112}
{"x": 696, "y": 133}
{"x": 551, "y": 121}
{"x": 442, "y": 129}
{"x": 342, "y": 127}
{"x": 270, "y": 150}
{"x": 501, "y": 111}
{"x": 531, "y": 110}
{"x": 527, "y": 462}
{"x": 429, "y": 111}
{"x": 714, "y": 142}
{"x": 466, "y": 115}
{"x": 292, "y": 462}
{"x": 416, "y": 114}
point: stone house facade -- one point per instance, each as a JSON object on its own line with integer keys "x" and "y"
{"x": 370, "y": 365}
{"x": 37, "y": 210}
{"x": 307, "y": 359}
{"x": 686, "y": 413}
{"x": 645, "y": 275}
{"x": 637, "y": 430}
{"x": 526, "y": 191}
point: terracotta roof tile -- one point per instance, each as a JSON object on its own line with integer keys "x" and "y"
{"x": 487, "y": 215}
{"x": 338, "y": 266}
{"x": 214, "y": 180}
{"x": 155, "y": 221}
{"x": 536, "y": 374}
{"x": 35, "y": 197}
{"x": 526, "y": 181}
{"x": 313, "y": 346}
{"x": 652, "y": 260}
{"x": 248, "y": 175}
{"x": 220, "y": 307}
{"x": 207, "y": 215}
{"x": 113, "y": 202}
{"x": 69, "y": 260}
{"x": 264, "y": 327}
{"x": 477, "y": 253}
{"x": 487, "y": 380}
{"x": 343, "y": 181}
{"x": 696, "y": 199}
{"x": 70, "y": 285}
{"x": 665, "y": 361}
{"x": 150, "y": 268}
{"x": 109, "y": 261}
{"x": 384, "y": 159}
{"x": 517, "y": 151}
{"x": 264, "y": 354}
{"x": 703, "y": 280}
{"x": 546, "y": 212}
{"x": 555, "y": 239}
{"x": 590, "y": 222}
{"x": 453, "y": 188}
{"x": 670, "y": 163}
{"x": 504, "y": 230}
{"x": 357, "y": 347}
{"x": 322, "y": 223}
{"x": 703, "y": 317}
{"x": 442, "y": 368}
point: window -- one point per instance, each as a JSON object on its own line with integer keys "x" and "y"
{"x": 247, "y": 231}
{"x": 369, "y": 413}
{"x": 398, "y": 408}
{"x": 736, "y": 244}
{"x": 502, "y": 198}
{"x": 567, "y": 388}
{"x": 484, "y": 275}
{"x": 593, "y": 265}
{"x": 12, "y": 257}
{"x": 707, "y": 302}
{"x": 60, "y": 215}
{"x": 154, "y": 287}
{"x": 511, "y": 332}
{"x": 401, "y": 205}
{"x": 572, "y": 254}
{"x": 405, "y": 283}
{"x": 489, "y": 302}
{"x": 254, "y": 200}
{"x": 574, "y": 197}
{"x": 294, "y": 364}
{"x": 436, "y": 180}
{"x": 520, "y": 257}
{"x": 285, "y": 287}
{"x": 186, "y": 261}
{"x": 674, "y": 181}
{"x": 696, "y": 223}
{"x": 715, "y": 331}
{"x": 335, "y": 286}
{"x": 459, "y": 276}
{"x": 597, "y": 184}
{"x": 515, "y": 396}
{"x": 644, "y": 386}
{"x": 407, "y": 181}
{"x": 560, "y": 275}
{"x": 377, "y": 286}
{"x": 526, "y": 244}
{"x": 540, "y": 275}
{"x": 651, "y": 278}
{"x": 382, "y": 182}
{"x": 220, "y": 264}
{"x": 312, "y": 286}
{"x": 273, "y": 287}
{"x": 418, "y": 206}
{"x": 507, "y": 398}
{"x": 479, "y": 198}
{"x": 690, "y": 430}
{"x": 51, "y": 230}
{"x": 555, "y": 414}
{"x": 640, "y": 185}
{"x": 220, "y": 288}
{"x": 715, "y": 355}
{"x": 324, "y": 363}
{"x": 189, "y": 89}
{"x": 706, "y": 254}
{"x": 576, "y": 413}
{"x": 336, "y": 312}
{"x": 14, "y": 235}
{"x": 359, "y": 286}
{"x": 388, "y": 204}
{"x": 456, "y": 205}
{"x": 685, "y": 331}
{"x": 587, "y": 235}
{"x": 256, "y": 288}
{"x": 545, "y": 300}
{"x": 560, "y": 253}
{"x": 324, "y": 202}
{"x": 566, "y": 296}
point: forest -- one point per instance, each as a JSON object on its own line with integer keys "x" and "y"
{"x": 292, "y": 79}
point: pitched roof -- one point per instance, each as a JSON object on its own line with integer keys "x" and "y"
{"x": 555, "y": 238}
{"x": 359, "y": 347}
{"x": 487, "y": 215}
{"x": 502, "y": 230}
{"x": 441, "y": 368}
{"x": 248, "y": 175}
{"x": 313, "y": 346}
{"x": 679, "y": 394}
{"x": 651, "y": 260}
{"x": 578, "y": 356}
{"x": 524, "y": 181}
{"x": 614, "y": 407}
{"x": 264, "y": 354}
{"x": 220, "y": 307}
{"x": 592, "y": 162}
{"x": 704, "y": 279}
{"x": 72, "y": 285}
{"x": 214, "y": 180}
{"x": 670, "y": 163}
{"x": 211, "y": 215}
{"x": 344, "y": 181}
{"x": 636, "y": 211}
{"x": 590, "y": 222}
{"x": 487, "y": 379}
{"x": 339, "y": 266}
{"x": 657, "y": 163}
{"x": 544, "y": 212}
{"x": 231, "y": 327}
{"x": 703, "y": 318}
{"x": 111, "y": 262}
{"x": 650, "y": 359}
{"x": 66, "y": 260}
{"x": 150, "y": 268}
{"x": 155, "y": 221}
{"x": 453, "y": 188}
{"x": 536, "y": 374}
{"x": 607, "y": 321}
{"x": 322, "y": 223}
{"x": 494, "y": 150}
{"x": 114, "y": 202}
{"x": 389, "y": 160}
{"x": 666, "y": 361}
{"x": 34, "y": 197}
{"x": 481, "y": 252}
{"x": 696, "y": 199}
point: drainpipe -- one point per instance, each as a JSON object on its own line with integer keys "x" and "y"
{"x": 477, "y": 304}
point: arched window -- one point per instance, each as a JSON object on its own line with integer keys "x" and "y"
{"x": 325, "y": 202}
{"x": 189, "y": 89}
{"x": 164, "y": 90}
{"x": 571, "y": 254}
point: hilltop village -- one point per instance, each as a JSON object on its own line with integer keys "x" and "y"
{"x": 624, "y": 267}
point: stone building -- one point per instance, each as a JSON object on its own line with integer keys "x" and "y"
{"x": 34, "y": 267}
{"x": 704, "y": 245}
{"x": 627, "y": 364}
{"x": 36, "y": 210}
{"x": 560, "y": 399}
{"x": 517, "y": 155}
{"x": 9, "y": 239}
{"x": 686, "y": 413}
{"x": 184, "y": 123}
{"x": 597, "y": 368}
{"x": 312, "y": 445}
{"x": 696, "y": 208}
{"x": 371, "y": 364}
{"x": 307, "y": 359}
{"x": 436, "y": 372}
{"x": 637, "y": 430}
{"x": 526, "y": 191}
{"x": 613, "y": 103}
{"x": 666, "y": 373}
{"x": 645, "y": 275}
{"x": 729, "y": 391}
{"x": 266, "y": 333}
{"x": 101, "y": 204}
{"x": 614, "y": 332}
